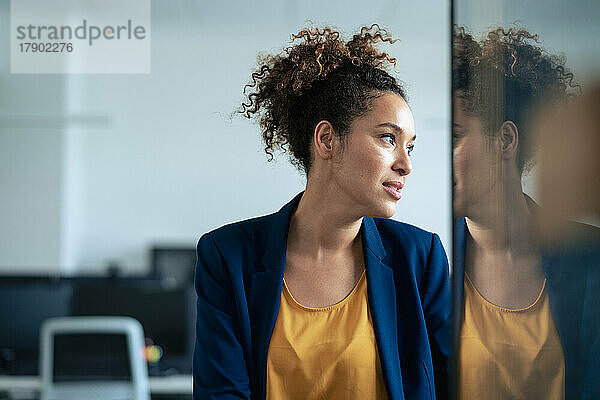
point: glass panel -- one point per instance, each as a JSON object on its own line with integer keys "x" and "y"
{"x": 526, "y": 280}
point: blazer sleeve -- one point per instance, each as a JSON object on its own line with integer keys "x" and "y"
{"x": 437, "y": 306}
{"x": 220, "y": 370}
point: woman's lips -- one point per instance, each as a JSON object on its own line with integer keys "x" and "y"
{"x": 394, "y": 189}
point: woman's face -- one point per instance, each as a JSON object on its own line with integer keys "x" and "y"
{"x": 477, "y": 165}
{"x": 373, "y": 166}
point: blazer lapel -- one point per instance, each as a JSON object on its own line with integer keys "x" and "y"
{"x": 264, "y": 293}
{"x": 566, "y": 284}
{"x": 457, "y": 279}
{"x": 382, "y": 302}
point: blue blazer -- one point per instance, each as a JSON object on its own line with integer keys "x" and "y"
{"x": 239, "y": 276}
{"x": 573, "y": 283}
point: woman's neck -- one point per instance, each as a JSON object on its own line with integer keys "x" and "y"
{"x": 503, "y": 259}
{"x": 504, "y": 225}
{"x": 321, "y": 224}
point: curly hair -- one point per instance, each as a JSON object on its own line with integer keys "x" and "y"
{"x": 502, "y": 78}
{"x": 319, "y": 78}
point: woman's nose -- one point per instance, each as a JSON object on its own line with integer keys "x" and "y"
{"x": 403, "y": 164}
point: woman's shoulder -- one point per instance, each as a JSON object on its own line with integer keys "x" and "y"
{"x": 412, "y": 247}
{"x": 576, "y": 255}
{"x": 405, "y": 233}
{"x": 235, "y": 248}
{"x": 415, "y": 253}
{"x": 579, "y": 232}
{"x": 239, "y": 232}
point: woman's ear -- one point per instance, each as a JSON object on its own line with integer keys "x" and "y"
{"x": 323, "y": 140}
{"x": 509, "y": 139}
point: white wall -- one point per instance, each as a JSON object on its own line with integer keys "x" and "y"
{"x": 155, "y": 158}
{"x": 30, "y": 166}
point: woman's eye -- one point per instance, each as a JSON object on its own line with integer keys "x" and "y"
{"x": 410, "y": 148}
{"x": 457, "y": 134}
{"x": 389, "y": 138}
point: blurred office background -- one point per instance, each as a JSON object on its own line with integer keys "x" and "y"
{"x": 108, "y": 181}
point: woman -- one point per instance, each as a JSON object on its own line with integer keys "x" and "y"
{"x": 527, "y": 327}
{"x": 326, "y": 298}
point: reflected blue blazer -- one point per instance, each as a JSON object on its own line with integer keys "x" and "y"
{"x": 573, "y": 283}
{"x": 239, "y": 276}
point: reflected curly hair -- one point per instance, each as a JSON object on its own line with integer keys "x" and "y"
{"x": 320, "y": 77}
{"x": 503, "y": 77}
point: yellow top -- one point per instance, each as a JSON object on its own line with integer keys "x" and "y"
{"x": 324, "y": 353}
{"x": 509, "y": 353}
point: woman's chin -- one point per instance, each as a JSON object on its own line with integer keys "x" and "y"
{"x": 384, "y": 212}
{"x": 459, "y": 209}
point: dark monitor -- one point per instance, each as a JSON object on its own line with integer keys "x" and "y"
{"x": 174, "y": 263}
{"x": 91, "y": 357}
{"x": 166, "y": 313}
{"x": 25, "y": 302}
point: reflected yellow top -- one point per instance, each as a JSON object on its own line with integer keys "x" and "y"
{"x": 324, "y": 353}
{"x": 509, "y": 354}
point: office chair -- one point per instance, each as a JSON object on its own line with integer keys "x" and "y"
{"x": 93, "y": 358}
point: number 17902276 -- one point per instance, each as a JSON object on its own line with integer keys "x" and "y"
{"x": 45, "y": 47}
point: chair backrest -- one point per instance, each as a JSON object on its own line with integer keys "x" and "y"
{"x": 93, "y": 358}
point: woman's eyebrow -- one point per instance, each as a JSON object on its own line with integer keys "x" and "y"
{"x": 390, "y": 125}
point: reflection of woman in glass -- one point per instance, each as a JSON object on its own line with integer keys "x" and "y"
{"x": 527, "y": 327}
{"x": 327, "y": 298}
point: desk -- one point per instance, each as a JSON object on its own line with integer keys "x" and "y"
{"x": 160, "y": 385}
